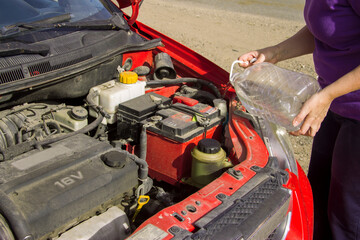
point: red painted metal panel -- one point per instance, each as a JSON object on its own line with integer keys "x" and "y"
{"x": 169, "y": 160}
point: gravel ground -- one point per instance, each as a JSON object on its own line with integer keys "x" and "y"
{"x": 221, "y": 30}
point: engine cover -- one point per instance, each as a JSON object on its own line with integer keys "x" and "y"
{"x": 56, "y": 188}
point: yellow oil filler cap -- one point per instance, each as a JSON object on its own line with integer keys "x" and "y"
{"x": 128, "y": 77}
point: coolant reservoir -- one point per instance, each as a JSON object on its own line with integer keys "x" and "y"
{"x": 208, "y": 159}
{"x": 72, "y": 119}
{"x": 112, "y": 93}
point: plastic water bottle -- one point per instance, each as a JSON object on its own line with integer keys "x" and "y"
{"x": 273, "y": 93}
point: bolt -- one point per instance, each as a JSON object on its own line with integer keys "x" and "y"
{"x": 255, "y": 168}
{"x": 156, "y": 118}
{"x": 174, "y": 229}
{"x": 221, "y": 196}
{"x": 237, "y": 173}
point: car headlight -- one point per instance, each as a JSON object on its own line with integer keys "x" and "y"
{"x": 278, "y": 143}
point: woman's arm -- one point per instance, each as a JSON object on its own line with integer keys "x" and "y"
{"x": 315, "y": 109}
{"x": 299, "y": 44}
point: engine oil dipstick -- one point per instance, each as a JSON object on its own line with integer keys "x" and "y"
{"x": 143, "y": 199}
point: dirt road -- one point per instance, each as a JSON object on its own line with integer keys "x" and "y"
{"x": 221, "y": 30}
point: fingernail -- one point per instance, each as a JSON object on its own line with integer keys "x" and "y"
{"x": 253, "y": 60}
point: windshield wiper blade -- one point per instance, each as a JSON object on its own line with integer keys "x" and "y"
{"x": 116, "y": 22}
{"x": 17, "y": 48}
{"x": 16, "y": 28}
{"x": 38, "y": 24}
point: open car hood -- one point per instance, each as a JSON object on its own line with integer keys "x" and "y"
{"x": 124, "y": 3}
{"x": 135, "y": 5}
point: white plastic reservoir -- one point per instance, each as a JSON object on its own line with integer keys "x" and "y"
{"x": 112, "y": 93}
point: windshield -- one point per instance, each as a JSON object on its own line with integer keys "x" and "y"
{"x": 13, "y": 12}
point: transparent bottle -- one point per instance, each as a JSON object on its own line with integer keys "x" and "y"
{"x": 273, "y": 93}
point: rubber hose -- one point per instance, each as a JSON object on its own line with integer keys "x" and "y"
{"x": 54, "y": 124}
{"x": 16, "y": 220}
{"x": 90, "y": 97}
{"x": 141, "y": 161}
{"x": 143, "y": 143}
{"x": 186, "y": 80}
{"x": 88, "y": 128}
{"x": 143, "y": 166}
{"x": 9, "y": 135}
{"x": 12, "y": 151}
{"x": 85, "y": 129}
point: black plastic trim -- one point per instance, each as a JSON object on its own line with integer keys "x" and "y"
{"x": 252, "y": 212}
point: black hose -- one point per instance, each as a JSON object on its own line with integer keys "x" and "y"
{"x": 15, "y": 218}
{"x": 58, "y": 137}
{"x": 15, "y": 150}
{"x": 186, "y": 80}
{"x": 85, "y": 129}
{"x": 9, "y": 135}
{"x": 90, "y": 97}
{"x": 50, "y": 123}
{"x": 143, "y": 143}
{"x": 143, "y": 166}
{"x": 141, "y": 160}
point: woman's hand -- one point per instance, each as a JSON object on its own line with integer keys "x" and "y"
{"x": 263, "y": 55}
{"x": 312, "y": 113}
{"x": 315, "y": 109}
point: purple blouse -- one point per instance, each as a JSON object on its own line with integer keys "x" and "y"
{"x": 335, "y": 25}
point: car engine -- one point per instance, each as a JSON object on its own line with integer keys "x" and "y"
{"x": 76, "y": 168}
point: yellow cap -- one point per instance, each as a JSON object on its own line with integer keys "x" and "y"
{"x": 128, "y": 77}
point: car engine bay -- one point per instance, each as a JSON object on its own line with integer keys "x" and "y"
{"x": 65, "y": 164}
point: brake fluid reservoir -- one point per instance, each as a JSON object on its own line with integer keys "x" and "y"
{"x": 72, "y": 119}
{"x": 208, "y": 158}
{"x": 111, "y": 94}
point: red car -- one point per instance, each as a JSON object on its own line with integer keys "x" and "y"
{"x": 111, "y": 130}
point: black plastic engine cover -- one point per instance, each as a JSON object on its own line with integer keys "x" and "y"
{"x": 53, "y": 189}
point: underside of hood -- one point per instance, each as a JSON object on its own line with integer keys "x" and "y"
{"x": 125, "y": 3}
{"x": 135, "y": 5}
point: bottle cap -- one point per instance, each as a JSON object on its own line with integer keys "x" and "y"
{"x": 128, "y": 77}
{"x": 209, "y": 145}
{"x": 114, "y": 159}
{"x": 78, "y": 113}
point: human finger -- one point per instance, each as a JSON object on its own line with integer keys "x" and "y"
{"x": 248, "y": 59}
{"x": 295, "y": 133}
{"x": 314, "y": 129}
{"x": 305, "y": 127}
{"x": 260, "y": 58}
{"x": 300, "y": 117}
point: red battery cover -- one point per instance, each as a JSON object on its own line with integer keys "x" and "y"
{"x": 185, "y": 100}
{"x": 169, "y": 160}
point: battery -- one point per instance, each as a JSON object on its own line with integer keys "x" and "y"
{"x": 171, "y": 139}
{"x": 181, "y": 123}
{"x": 173, "y": 130}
